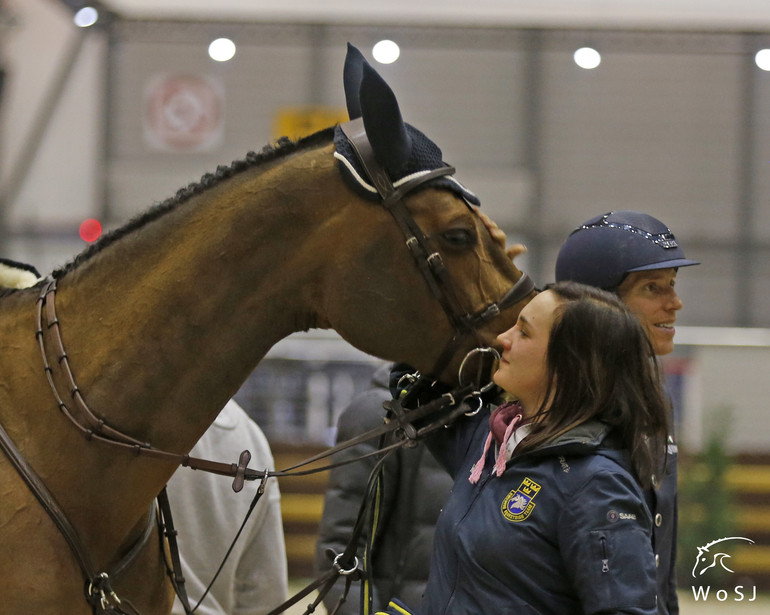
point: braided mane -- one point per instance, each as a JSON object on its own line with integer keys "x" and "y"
{"x": 282, "y": 147}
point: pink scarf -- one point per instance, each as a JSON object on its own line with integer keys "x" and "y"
{"x": 502, "y": 423}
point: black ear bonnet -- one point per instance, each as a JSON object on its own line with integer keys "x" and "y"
{"x": 401, "y": 149}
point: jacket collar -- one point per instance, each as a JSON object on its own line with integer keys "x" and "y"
{"x": 582, "y": 440}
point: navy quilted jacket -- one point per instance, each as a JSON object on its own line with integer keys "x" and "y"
{"x": 565, "y": 530}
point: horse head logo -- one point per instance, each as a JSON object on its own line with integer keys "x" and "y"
{"x": 707, "y": 559}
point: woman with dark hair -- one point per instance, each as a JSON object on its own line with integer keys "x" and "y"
{"x": 610, "y": 377}
{"x": 547, "y": 513}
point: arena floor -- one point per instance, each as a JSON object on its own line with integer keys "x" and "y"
{"x": 687, "y": 606}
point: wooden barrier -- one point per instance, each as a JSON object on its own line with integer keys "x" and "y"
{"x": 749, "y": 480}
{"x": 302, "y": 499}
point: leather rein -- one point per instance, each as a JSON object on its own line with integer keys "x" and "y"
{"x": 98, "y": 584}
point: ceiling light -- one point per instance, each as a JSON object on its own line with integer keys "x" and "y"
{"x": 587, "y": 57}
{"x": 762, "y": 59}
{"x": 386, "y": 52}
{"x": 222, "y": 49}
{"x": 85, "y": 17}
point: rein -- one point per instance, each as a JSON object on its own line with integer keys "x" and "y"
{"x": 98, "y": 588}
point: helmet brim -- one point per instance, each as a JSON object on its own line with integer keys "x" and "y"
{"x": 675, "y": 263}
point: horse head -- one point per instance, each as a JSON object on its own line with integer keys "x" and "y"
{"x": 400, "y": 301}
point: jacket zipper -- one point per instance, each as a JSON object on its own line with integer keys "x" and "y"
{"x": 605, "y": 559}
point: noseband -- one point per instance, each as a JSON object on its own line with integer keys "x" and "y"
{"x": 428, "y": 260}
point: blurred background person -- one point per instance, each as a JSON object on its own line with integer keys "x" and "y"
{"x": 207, "y": 515}
{"x": 414, "y": 490}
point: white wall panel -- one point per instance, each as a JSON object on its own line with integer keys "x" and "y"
{"x": 761, "y": 160}
{"x": 60, "y": 188}
{"x": 655, "y": 132}
{"x": 258, "y": 82}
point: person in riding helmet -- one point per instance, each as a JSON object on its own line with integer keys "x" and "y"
{"x": 637, "y": 257}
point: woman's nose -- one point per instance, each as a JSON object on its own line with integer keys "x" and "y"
{"x": 504, "y": 339}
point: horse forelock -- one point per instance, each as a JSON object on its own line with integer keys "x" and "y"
{"x": 283, "y": 147}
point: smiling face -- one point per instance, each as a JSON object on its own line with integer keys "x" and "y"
{"x": 523, "y": 370}
{"x": 650, "y": 295}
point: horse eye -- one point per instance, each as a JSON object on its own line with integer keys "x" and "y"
{"x": 459, "y": 238}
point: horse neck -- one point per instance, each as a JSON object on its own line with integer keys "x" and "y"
{"x": 163, "y": 325}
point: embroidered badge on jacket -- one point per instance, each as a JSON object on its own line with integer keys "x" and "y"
{"x": 518, "y": 504}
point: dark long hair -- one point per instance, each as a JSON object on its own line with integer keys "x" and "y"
{"x": 601, "y": 366}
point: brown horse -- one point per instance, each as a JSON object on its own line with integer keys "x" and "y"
{"x": 165, "y": 318}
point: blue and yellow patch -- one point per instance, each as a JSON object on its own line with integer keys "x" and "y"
{"x": 518, "y": 504}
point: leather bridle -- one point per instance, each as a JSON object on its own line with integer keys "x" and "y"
{"x": 99, "y": 591}
{"x": 428, "y": 260}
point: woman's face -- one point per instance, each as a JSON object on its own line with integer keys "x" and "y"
{"x": 650, "y": 295}
{"x": 522, "y": 371}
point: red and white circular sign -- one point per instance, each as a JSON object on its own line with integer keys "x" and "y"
{"x": 183, "y": 113}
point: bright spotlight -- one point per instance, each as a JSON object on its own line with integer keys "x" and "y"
{"x": 386, "y": 52}
{"x": 762, "y": 59}
{"x": 85, "y": 17}
{"x": 587, "y": 58}
{"x": 222, "y": 49}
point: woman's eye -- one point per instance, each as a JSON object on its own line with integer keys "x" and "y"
{"x": 458, "y": 238}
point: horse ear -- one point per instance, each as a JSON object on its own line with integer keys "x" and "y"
{"x": 384, "y": 126}
{"x": 351, "y": 78}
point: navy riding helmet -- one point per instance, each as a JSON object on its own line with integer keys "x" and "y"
{"x": 606, "y": 248}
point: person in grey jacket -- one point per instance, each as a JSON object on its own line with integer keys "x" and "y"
{"x": 414, "y": 490}
{"x": 207, "y": 515}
